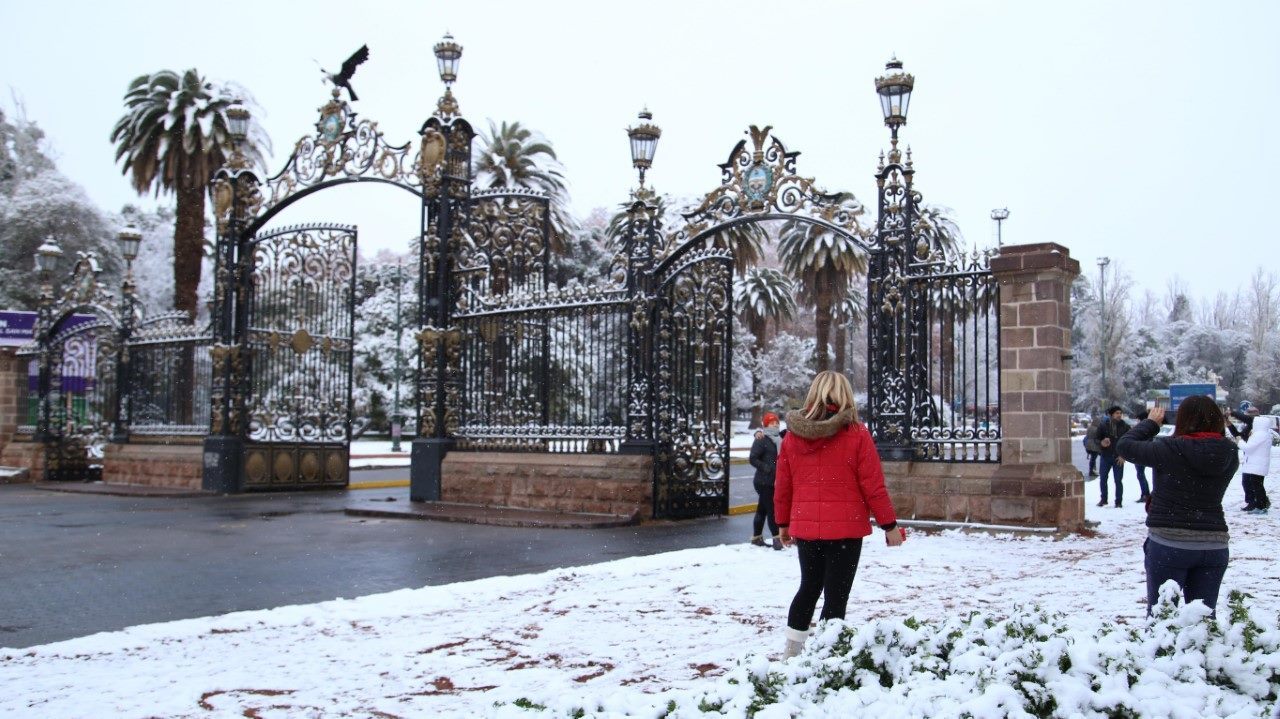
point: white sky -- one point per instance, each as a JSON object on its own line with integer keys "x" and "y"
{"x": 1111, "y": 128}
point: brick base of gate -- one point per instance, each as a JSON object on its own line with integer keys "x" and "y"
{"x": 156, "y": 462}
{"x": 1030, "y": 495}
{"x": 24, "y": 453}
{"x": 620, "y": 485}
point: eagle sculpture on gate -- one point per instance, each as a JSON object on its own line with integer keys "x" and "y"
{"x": 342, "y": 78}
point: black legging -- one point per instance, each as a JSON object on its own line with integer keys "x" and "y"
{"x": 827, "y": 567}
{"x": 764, "y": 511}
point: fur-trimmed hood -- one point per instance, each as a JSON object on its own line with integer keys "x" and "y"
{"x": 798, "y": 424}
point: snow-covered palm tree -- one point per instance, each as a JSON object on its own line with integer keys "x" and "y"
{"x": 173, "y": 136}
{"x": 849, "y": 313}
{"x": 746, "y": 240}
{"x": 824, "y": 262}
{"x": 761, "y": 295}
{"x": 511, "y": 155}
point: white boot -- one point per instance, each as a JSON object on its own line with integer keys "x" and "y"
{"x": 795, "y": 642}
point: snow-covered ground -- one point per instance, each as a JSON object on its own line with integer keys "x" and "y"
{"x": 377, "y": 453}
{"x": 616, "y": 633}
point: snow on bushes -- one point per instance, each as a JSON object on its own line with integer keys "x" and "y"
{"x": 1179, "y": 663}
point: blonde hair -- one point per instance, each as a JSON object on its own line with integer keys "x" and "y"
{"x": 829, "y": 388}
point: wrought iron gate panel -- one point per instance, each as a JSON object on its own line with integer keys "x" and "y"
{"x": 299, "y": 340}
{"x": 81, "y": 397}
{"x": 692, "y": 340}
{"x": 170, "y": 376}
{"x": 544, "y": 372}
{"x": 953, "y": 360}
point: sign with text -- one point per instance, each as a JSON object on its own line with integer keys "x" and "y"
{"x": 1179, "y": 392}
{"x": 16, "y": 328}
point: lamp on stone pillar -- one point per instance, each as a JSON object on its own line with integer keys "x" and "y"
{"x": 129, "y": 239}
{"x": 47, "y": 257}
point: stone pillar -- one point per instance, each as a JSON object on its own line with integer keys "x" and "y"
{"x": 1036, "y": 483}
{"x": 12, "y": 374}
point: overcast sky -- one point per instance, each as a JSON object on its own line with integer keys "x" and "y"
{"x": 1139, "y": 130}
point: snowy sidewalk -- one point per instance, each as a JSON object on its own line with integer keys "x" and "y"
{"x": 617, "y": 630}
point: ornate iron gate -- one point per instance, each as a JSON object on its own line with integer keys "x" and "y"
{"x": 79, "y": 396}
{"x": 692, "y": 345}
{"x": 299, "y": 336}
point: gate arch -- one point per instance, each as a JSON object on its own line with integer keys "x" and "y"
{"x": 690, "y": 291}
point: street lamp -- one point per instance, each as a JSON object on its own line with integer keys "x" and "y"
{"x": 238, "y": 122}
{"x": 130, "y": 239}
{"x": 1102, "y": 320}
{"x": 644, "y": 143}
{"x": 47, "y": 256}
{"x": 894, "y": 88}
{"x": 1000, "y": 216}
{"x": 448, "y": 53}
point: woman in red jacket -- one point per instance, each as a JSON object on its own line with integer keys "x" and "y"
{"x": 829, "y": 482}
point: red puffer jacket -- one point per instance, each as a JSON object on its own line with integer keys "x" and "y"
{"x": 829, "y": 480}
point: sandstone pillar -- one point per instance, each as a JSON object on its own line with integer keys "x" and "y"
{"x": 1036, "y": 483}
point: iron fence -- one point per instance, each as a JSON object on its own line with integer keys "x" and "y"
{"x": 170, "y": 377}
{"x": 957, "y": 416}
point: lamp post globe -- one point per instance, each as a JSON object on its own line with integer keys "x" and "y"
{"x": 47, "y": 256}
{"x": 894, "y": 88}
{"x": 644, "y": 142}
{"x": 238, "y": 122}
{"x": 448, "y": 53}
{"x": 130, "y": 240}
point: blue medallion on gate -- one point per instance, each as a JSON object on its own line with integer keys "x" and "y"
{"x": 757, "y": 181}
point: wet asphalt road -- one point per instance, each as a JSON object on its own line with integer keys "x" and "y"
{"x": 76, "y": 564}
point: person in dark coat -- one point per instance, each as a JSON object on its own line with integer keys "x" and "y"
{"x": 764, "y": 457}
{"x": 1186, "y": 527}
{"x": 1108, "y": 434}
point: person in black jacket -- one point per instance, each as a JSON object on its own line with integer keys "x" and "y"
{"x": 764, "y": 457}
{"x": 1186, "y": 527}
{"x": 1108, "y": 434}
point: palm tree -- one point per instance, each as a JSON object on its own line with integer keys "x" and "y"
{"x": 511, "y": 155}
{"x": 762, "y": 295}
{"x": 848, "y": 314}
{"x": 935, "y": 225}
{"x": 745, "y": 240}
{"x": 825, "y": 262}
{"x": 173, "y": 136}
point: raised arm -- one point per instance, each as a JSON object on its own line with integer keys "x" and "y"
{"x": 1137, "y": 447}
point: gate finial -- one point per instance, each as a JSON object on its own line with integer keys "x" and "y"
{"x": 757, "y": 137}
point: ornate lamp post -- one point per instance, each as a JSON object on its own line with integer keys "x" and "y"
{"x": 1000, "y": 215}
{"x": 642, "y": 235}
{"x": 235, "y": 194}
{"x": 130, "y": 240}
{"x": 894, "y": 88}
{"x": 445, "y": 170}
{"x": 47, "y": 257}
{"x": 644, "y": 143}
{"x": 896, "y": 324}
